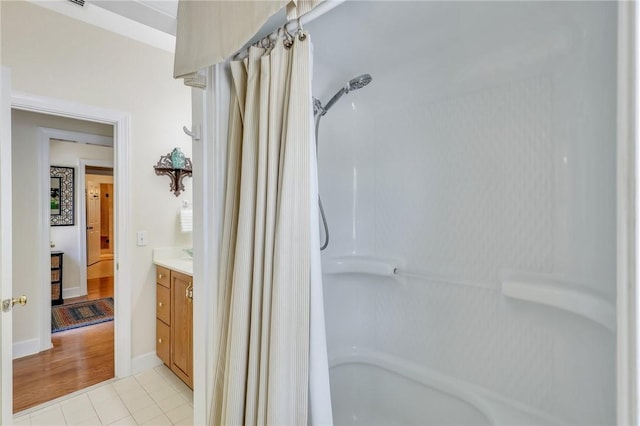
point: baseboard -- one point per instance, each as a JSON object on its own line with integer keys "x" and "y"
{"x": 144, "y": 362}
{"x": 69, "y": 293}
{"x": 26, "y": 347}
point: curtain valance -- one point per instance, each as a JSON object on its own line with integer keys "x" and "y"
{"x": 210, "y": 31}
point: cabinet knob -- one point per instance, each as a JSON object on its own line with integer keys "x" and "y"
{"x": 159, "y": 304}
{"x": 160, "y": 276}
{"x": 160, "y": 340}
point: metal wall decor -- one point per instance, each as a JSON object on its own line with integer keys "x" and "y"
{"x": 62, "y": 194}
{"x": 167, "y": 167}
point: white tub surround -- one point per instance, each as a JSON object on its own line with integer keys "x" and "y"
{"x": 174, "y": 258}
{"x": 553, "y": 291}
{"x": 484, "y": 159}
{"x": 415, "y": 394}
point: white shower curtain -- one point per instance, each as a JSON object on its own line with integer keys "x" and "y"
{"x": 271, "y": 249}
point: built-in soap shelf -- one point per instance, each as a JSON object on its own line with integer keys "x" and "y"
{"x": 359, "y": 265}
{"x": 552, "y": 291}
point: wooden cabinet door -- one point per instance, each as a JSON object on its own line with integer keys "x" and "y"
{"x": 163, "y": 304}
{"x": 163, "y": 342}
{"x": 182, "y": 327}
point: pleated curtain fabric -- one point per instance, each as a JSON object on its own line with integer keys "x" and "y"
{"x": 263, "y": 316}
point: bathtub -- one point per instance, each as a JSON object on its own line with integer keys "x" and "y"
{"x": 373, "y": 388}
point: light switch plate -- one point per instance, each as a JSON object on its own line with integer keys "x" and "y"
{"x": 142, "y": 238}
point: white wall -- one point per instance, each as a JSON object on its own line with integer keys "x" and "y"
{"x": 484, "y": 145}
{"x": 55, "y": 56}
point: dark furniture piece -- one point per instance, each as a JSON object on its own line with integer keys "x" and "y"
{"x": 56, "y": 278}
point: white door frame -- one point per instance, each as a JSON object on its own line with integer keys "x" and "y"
{"x": 6, "y": 249}
{"x": 122, "y": 207}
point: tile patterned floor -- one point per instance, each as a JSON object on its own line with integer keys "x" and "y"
{"x": 154, "y": 397}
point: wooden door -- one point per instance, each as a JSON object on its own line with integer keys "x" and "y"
{"x": 106, "y": 217}
{"x": 93, "y": 222}
{"x": 182, "y": 326}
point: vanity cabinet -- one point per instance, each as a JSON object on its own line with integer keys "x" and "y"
{"x": 174, "y": 322}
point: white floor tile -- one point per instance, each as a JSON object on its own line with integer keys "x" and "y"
{"x": 78, "y": 416}
{"x": 138, "y": 403}
{"x": 188, "y": 396}
{"x": 173, "y": 380}
{"x": 179, "y": 413}
{"x": 51, "y": 416}
{"x": 93, "y": 420}
{"x": 106, "y": 403}
{"x": 156, "y": 384}
{"x": 78, "y": 403}
{"x": 22, "y": 421}
{"x": 169, "y": 403}
{"x": 161, "y": 420}
{"x": 133, "y": 393}
{"x": 180, "y": 386}
{"x": 164, "y": 372}
{"x": 146, "y": 376}
{"x": 163, "y": 393}
{"x": 111, "y": 410}
{"x": 103, "y": 391}
{"x": 125, "y": 384}
{"x": 187, "y": 421}
{"x": 127, "y": 421}
{"x": 146, "y": 414}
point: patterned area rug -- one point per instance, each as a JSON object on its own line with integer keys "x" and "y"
{"x": 81, "y": 314}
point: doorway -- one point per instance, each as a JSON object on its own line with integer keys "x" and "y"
{"x": 74, "y": 358}
{"x": 98, "y": 201}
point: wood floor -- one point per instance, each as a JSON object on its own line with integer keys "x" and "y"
{"x": 80, "y": 358}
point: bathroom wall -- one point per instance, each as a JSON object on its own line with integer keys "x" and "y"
{"x": 483, "y": 150}
{"x": 55, "y": 56}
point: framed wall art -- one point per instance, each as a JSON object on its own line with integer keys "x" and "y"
{"x": 62, "y": 192}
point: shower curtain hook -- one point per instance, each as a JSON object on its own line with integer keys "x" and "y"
{"x": 288, "y": 42}
{"x": 301, "y": 34}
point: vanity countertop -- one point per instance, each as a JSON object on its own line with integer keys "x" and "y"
{"x": 174, "y": 258}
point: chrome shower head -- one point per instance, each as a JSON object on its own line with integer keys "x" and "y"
{"x": 359, "y": 82}
{"x": 354, "y": 84}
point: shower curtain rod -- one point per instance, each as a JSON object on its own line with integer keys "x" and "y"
{"x": 293, "y": 25}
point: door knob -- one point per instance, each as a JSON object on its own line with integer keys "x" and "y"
{"x": 7, "y": 304}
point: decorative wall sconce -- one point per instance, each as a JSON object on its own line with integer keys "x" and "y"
{"x": 176, "y": 166}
